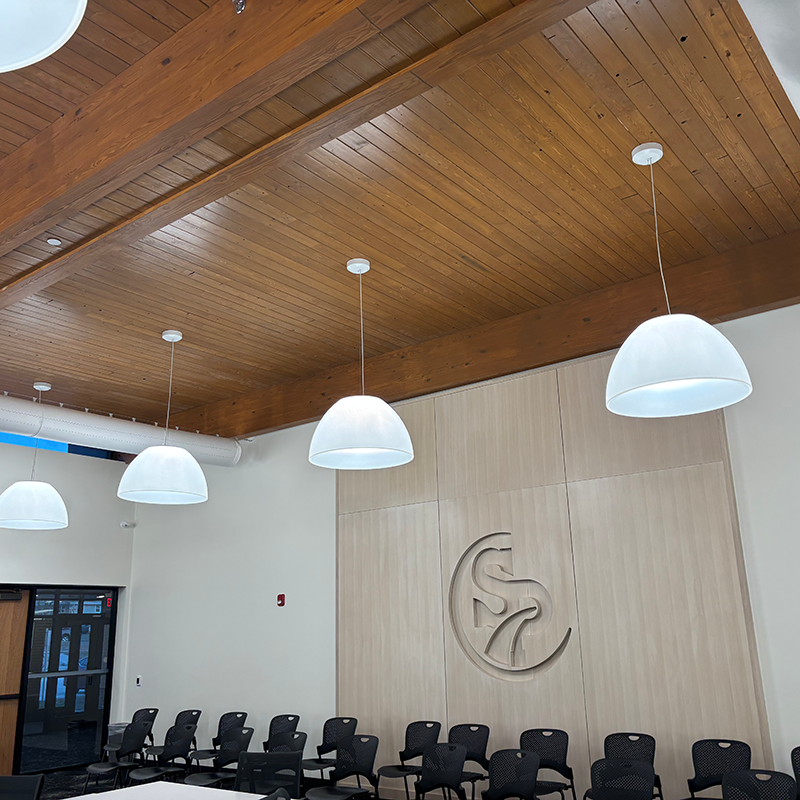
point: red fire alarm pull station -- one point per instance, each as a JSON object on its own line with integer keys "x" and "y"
{"x": 281, "y": 599}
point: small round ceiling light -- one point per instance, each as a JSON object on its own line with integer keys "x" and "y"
{"x": 53, "y": 242}
{"x": 31, "y": 30}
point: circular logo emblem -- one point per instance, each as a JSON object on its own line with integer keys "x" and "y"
{"x": 496, "y": 616}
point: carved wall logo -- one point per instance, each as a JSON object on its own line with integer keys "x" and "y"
{"x": 497, "y": 617}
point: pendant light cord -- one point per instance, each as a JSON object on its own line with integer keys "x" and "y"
{"x": 658, "y": 243}
{"x": 169, "y": 398}
{"x": 361, "y": 306}
{"x": 36, "y": 446}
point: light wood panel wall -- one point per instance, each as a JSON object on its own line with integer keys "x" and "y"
{"x": 13, "y": 624}
{"x": 623, "y": 530}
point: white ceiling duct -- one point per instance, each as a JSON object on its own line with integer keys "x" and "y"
{"x": 66, "y": 425}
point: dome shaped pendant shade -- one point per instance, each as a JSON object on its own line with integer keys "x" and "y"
{"x": 31, "y": 30}
{"x": 164, "y": 475}
{"x": 675, "y": 365}
{"x": 32, "y": 506}
{"x": 360, "y": 432}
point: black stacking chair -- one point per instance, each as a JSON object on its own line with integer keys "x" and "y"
{"x": 758, "y": 784}
{"x": 355, "y": 758}
{"x": 177, "y": 745}
{"x": 551, "y": 745}
{"x": 632, "y": 747}
{"x": 333, "y": 730}
{"x": 228, "y": 721}
{"x": 189, "y": 717}
{"x": 233, "y": 743}
{"x": 131, "y": 746}
{"x": 419, "y": 735}
{"x": 287, "y": 742}
{"x": 21, "y": 787}
{"x": 475, "y": 739}
{"x": 142, "y": 715}
{"x": 442, "y": 768}
{"x": 796, "y": 764}
{"x": 714, "y": 758}
{"x": 512, "y": 773}
{"x": 283, "y": 723}
{"x": 622, "y": 779}
{"x": 265, "y": 773}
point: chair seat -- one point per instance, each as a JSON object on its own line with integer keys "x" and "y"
{"x": 208, "y": 778}
{"x": 151, "y": 773}
{"x": 549, "y": 787}
{"x": 318, "y": 763}
{"x": 471, "y": 777}
{"x": 156, "y": 750}
{"x": 399, "y": 770}
{"x": 109, "y": 767}
{"x": 335, "y": 792}
{"x": 203, "y": 755}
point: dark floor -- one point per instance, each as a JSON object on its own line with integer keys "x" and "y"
{"x": 64, "y": 783}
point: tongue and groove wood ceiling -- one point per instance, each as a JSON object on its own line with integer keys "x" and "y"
{"x": 483, "y": 183}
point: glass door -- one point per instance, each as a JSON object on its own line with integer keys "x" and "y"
{"x": 68, "y": 688}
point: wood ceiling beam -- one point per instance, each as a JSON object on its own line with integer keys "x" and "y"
{"x": 723, "y": 286}
{"x": 211, "y": 71}
{"x": 511, "y": 27}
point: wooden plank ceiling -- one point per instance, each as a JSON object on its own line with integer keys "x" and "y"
{"x": 504, "y": 189}
{"x": 114, "y": 35}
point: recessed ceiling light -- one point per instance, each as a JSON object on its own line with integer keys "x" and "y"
{"x": 53, "y": 241}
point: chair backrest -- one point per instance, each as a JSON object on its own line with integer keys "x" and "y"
{"x": 283, "y": 723}
{"x": 622, "y": 779}
{"x": 796, "y": 764}
{"x": 713, "y": 758}
{"x": 474, "y": 738}
{"x": 758, "y": 784}
{"x": 512, "y": 773}
{"x": 189, "y": 717}
{"x": 231, "y": 719}
{"x": 355, "y": 755}
{"x": 233, "y": 742}
{"x": 145, "y": 715}
{"x": 287, "y": 742}
{"x": 133, "y": 738}
{"x": 177, "y": 743}
{"x": 419, "y": 735}
{"x": 21, "y": 787}
{"x": 442, "y": 765}
{"x": 335, "y": 729}
{"x": 631, "y": 746}
{"x": 551, "y": 745}
{"x": 264, "y": 773}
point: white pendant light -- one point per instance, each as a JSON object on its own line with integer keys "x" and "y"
{"x": 676, "y": 364}
{"x": 33, "y": 505}
{"x": 360, "y": 432}
{"x": 31, "y": 30}
{"x": 164, "y": 474}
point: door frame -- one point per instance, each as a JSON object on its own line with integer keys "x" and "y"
{"x": 32, "y": 588}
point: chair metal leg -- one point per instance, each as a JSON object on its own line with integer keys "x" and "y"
{"x": 86, "y": 785}
{"x": 572, "y": 786}
{"x": 405, "y": 781}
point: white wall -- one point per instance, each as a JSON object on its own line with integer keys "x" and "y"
{"x": 204, "y": 628}
{"x": 764, "y": 439}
